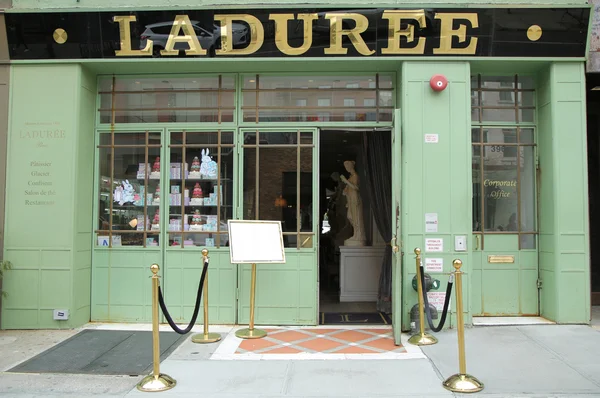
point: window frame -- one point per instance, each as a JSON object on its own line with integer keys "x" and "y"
{"x": 301, "y": 236}
{"x": 517, "y": 125}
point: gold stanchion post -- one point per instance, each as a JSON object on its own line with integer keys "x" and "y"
{"x": 250, "y": 332}
{"x": 156, "y": 381}
{"x": 461, "y": 382}
{"x": 421, "y": 338}
{"x": 205, "y": 337}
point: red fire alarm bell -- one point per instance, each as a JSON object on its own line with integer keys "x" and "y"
{"x": 438, "y": 82}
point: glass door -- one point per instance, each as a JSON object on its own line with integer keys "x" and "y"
{"x": 280, "y": 182}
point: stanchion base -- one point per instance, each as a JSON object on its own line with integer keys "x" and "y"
{"x": 250, "y": 333}
{"x": 156, "y": 384}
{"x": 206, "y": 338}
{"x": 463, "y": 383}
{"x": 422, "y": 339}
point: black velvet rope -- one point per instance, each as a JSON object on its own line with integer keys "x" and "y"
{"x": 426, "y": 302}
{"x": 163, "y": 307}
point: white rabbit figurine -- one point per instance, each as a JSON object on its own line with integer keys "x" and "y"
{"x": 208, "y": 168}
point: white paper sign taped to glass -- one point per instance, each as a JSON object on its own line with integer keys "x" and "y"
{"x": 255, "y": 241}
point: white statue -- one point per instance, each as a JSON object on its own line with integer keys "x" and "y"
{"x": 354, "y": 205}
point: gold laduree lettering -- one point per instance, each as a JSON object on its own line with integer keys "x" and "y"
{"x": 447, "y": 32}
{"x": 395, "y": 17}
{"x": 257, "y": 34}
{"x": 183, "y": 23}
{"x": 281, "y": 32}
{"x": 337, "y": 32}
{"x": 124, "y": 22}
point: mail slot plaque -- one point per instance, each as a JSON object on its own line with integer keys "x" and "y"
{"x": 501, "y": 259}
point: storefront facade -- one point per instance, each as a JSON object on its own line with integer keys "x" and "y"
{"x": 491, "y": 169}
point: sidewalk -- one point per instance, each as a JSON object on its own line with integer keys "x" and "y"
{"x": 523, "y": 361}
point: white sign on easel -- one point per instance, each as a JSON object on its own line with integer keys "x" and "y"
{"x": 251, "y": 242}
{"x": 255, "y": 241}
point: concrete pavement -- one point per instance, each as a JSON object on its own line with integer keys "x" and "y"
{"x": 512, "y": 361}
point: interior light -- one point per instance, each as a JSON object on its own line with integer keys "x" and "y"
{"x": 252, "y": 80}
{"x": 597, "y": 88}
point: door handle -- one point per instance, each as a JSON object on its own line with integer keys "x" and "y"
{"x": 476, "y": 242}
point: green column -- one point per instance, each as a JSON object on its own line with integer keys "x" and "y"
{"x": 436, "y": 176}
{"x": 563, "y": 196}
{"x": 48, "y": 196}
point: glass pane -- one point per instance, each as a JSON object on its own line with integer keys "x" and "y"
{"x": 250, "y": 138}
{"x": 497, "y": 82}
{"x": 226, "y": 138}
{"x": 499, "y": 98}
{"x": 105, "y": 84}
{"x": 306, "y": 137}
{"x": 385, "y": 115}
{"x": 104, "y": 188}
{"x": 476, "y": 134}
{"x": 500, "y": 190}
{"x": 475, "y": 98}
{"x": 250, "y": 180}
{"x": 499, "y": 135}
{"x": 279, "y": 138}
{"x": 105, "y": 101}
{"x": 228, "y": 82}
{"x": 306, "y": 241}
{"x": 476, "y": 172}
{"x": 105, "y": 117}
{"x": 227, "y": 100}
{"x": 527, "y": 115}
{"x": 227, "y": 115}
{"x": 526, "y": 136}
{"x": 201, "y": 138}
{"x": 526, "y": 83}
{"x": 498, "y": 115}
{"x": 385, "y": 81}
{"x": 249, "y": 99}
{"x": 278, "y": 191}
{"x": 526, "y": 98}
{"x": 386, "y": 98}
{"x": 528, "y": 188}
{"x": 249, "y": 82}
{"x": 306, "y": 190}
{"x": 130, "y": 139}
{"x": 475, "y": 114}
{"x": 175, "y": 240}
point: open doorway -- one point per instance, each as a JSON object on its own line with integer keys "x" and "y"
{"x": 355, "y": 181}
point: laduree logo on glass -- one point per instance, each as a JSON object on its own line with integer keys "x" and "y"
{"x": 453, "y": 29}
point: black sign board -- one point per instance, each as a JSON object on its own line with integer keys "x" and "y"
{"x": 377, "y": 32}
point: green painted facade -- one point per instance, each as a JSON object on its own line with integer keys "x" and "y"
{"x": 49, "y": 229}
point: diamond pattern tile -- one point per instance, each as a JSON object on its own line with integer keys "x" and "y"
{"x": 317, "y": 340}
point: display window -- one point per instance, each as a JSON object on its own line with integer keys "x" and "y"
{"x": 129, "y": 191}
{"x": 201, "y": 176}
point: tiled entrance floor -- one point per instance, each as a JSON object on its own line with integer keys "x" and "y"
{"x": 318, "y": 343}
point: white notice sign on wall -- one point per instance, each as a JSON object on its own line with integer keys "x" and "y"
{"x": 434, "y": 245}
{"x": 431, "y": 138}
{"x": 431, "y": 222}
{"x": 437, "y": 300}
{"x": 434, "y": 264}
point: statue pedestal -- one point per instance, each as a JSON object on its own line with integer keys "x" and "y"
{"x": 360, "y": 267}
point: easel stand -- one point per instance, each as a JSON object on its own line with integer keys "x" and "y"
{"x": 250, "y": 332}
